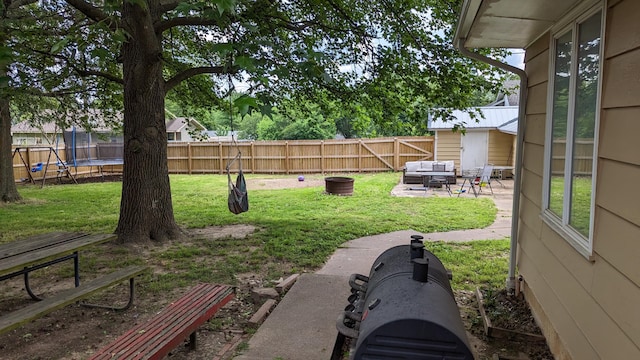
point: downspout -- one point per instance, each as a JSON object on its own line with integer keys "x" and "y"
{"x": 515, "y": 211}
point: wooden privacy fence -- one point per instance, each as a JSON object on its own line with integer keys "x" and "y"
{"x": 266, "y": 157}
{"x": 300, "y": 156}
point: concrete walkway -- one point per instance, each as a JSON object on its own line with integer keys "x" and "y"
{"x": 302, "y": 326}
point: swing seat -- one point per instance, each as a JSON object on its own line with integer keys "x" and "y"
{"x": 37, "y": 167}
{"x": 238, "y": 197}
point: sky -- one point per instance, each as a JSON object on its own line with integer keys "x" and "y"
{"x": 516, "y": 59}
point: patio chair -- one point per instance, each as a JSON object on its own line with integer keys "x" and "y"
{"x": 484, "y": 179}
{"x": 441, "y": 180}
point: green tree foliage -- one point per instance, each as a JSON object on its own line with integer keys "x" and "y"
{"x": 308, "y": 124}
{"x": 392, "y": 58}
{"x": 49, "y": 56}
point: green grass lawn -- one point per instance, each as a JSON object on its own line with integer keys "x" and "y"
{"x": 299, "y": 227}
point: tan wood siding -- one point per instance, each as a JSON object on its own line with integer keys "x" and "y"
{"x": 589, "y": 307}
{"x": 608, "y": 285}
{"x": 623, "y": 32}
{"x": 553, "y": 340}
{"x": 586, "y": 317}
{"x": 613, "y": 233}
{"x": 562, "y": 322}
{"x": 539, "y": 46}
{"x": 535, "y": 129}
{"x": 501, "y": 151}
{"x": 537, "y": 99}
{"x": 448, "y": 146}
{"x": 612, "y": 3}
{"x": 577, "y": 267}
{"x": 531, "y": 185}
{"x": 530, "y": 217}
{"x": 616, "y": 193}
{"x": 619, "y": 129}
{"x": 621, "y": 80}
{"x": 536, "y": 68}
{"x": 534, "y": 158}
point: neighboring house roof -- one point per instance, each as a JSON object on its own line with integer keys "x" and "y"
{"x": 493, "y": 117}
{"x": 24, "y": 127}
{"x": 180, "y": 123}
{"x": 510, "y": 96}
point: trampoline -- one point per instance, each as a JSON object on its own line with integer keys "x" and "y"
{"x": 85, "y": 149}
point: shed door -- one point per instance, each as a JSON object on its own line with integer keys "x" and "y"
{"x": 474, "y": 147}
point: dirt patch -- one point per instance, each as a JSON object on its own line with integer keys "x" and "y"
{"x": 75, "y": 332}
{"x": 289, "y": 182}
{"x": 253, "y": 183}
{"x": 514, "y": 314}
{"x": 239, "y": 231}
{"x": 509, "y": 312}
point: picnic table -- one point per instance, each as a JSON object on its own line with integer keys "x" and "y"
{"x": 24, "y": 256}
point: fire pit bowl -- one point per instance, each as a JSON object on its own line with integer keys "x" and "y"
{"x": 338, "y": 185}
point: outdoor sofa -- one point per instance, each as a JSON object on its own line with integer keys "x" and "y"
{"x": 413, "y": 170}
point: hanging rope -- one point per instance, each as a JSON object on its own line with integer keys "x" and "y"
{"x": 238, "y": 199}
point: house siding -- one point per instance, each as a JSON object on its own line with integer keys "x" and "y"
{"x": 588, "y": 309}
{"x": 448, "y": 147}
{"x": 501, "y": 148}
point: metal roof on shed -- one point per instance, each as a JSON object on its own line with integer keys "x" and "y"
{"x": 492, "y": 118}
{"x": 510, "y": 127}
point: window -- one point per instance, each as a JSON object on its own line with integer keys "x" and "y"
{"x": 570, "y": 154}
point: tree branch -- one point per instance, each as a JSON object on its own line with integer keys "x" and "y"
{"x": 85, "y": 73}
{"x": 54, "y": 94}
{"x": 82, "y": 72}
{"x": 184, "y": 75}
{"x": 355, "y": 26}
{"x": 162, "y": 26}
{"x": 168, "y": 5}
{"x": 18, "y": 3}
{"x": 95, "y": 13}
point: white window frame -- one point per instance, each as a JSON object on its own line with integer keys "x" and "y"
{"x": 582, "y": 244}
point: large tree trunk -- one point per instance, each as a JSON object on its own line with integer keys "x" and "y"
{"x": 8, "y": 190}
{"x": 146, "y": 211}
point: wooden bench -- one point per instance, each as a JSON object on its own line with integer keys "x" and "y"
{"x": 162, "y": 333}
{"x": 16, "y": 318}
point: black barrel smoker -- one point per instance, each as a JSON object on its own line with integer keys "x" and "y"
{"x": 404, "y": 309}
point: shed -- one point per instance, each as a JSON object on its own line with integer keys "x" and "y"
{"x": 483, "y": 141}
